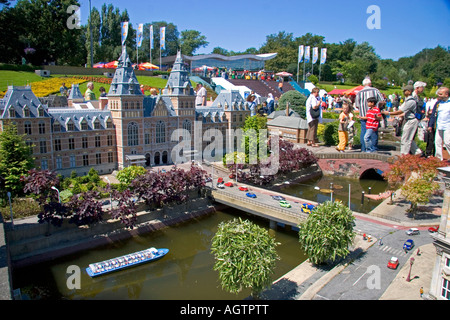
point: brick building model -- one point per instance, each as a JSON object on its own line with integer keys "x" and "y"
{"x": 124, "y": 128}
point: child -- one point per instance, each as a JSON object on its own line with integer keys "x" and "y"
{"x": 373, "y": 117}
{"x": 344, "y": 118}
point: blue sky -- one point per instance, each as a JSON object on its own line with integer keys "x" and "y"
{"x": 407, "y": 27}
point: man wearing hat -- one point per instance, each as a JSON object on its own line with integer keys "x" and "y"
{"x": 411, "y": 123}
{"x": 418, "y": 89}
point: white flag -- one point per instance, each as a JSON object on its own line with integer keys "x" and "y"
{"x": 300, "y": 53}
{"x": 162, "y": 34}
{"x": 307, "y": 54}
{"x": 323, "y": 55}
{"x": 315, "y": 55}
{"x": 151, "y": 36}
{"x": 140, "y": 35}
{"x": 124, "y": 32}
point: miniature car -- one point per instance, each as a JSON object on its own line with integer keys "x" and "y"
{"x": 220, "y": 186}
{"x": 307, "y": 208}
{"x": 250, "y": 195}
{"x": 231, "y": 176}
{"x": 278, "y": 198}
{"x": 412, "y": 231}
{"x": 285, "y": 204}
{"x": 433, "y": 229}
{"x": 408, "y": 245}
{"x": 220, "y": 180}
{"x": 243, "y": 188}
{"x": 229, "y": 184}
{"x": 393, "y": 263}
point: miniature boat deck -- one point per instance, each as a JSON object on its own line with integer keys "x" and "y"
{"x": 126, "y": 261}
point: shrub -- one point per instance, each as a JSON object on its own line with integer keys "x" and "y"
{"x": 245, "y": 256}
{"x": 327, "y": 233}
{"x": 295, "y": 99}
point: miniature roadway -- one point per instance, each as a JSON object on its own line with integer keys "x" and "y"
{"x": 363, "y": 274}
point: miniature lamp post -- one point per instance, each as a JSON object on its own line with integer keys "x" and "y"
{"x": 54, "y": 188}
{"x": 411, "y": 262}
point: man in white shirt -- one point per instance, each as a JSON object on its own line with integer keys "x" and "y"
{"x": 440, "y": 118}
{"x": 200, "y": 99}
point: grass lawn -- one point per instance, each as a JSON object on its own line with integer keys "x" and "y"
{"x": 17, "y": 78}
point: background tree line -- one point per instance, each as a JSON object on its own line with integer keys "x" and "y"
{"x": 25, "y": 31}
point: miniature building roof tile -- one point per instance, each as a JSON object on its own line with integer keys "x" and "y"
{"x": 179, "y": 82}
{"x": 124, "y": 81}
{"x": 19, "y": 97}
{"x": 289, "y": 122}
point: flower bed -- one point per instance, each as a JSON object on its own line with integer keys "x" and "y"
{"x": 51, "y": 86}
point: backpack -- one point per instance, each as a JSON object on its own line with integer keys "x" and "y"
{"x": 420, "y": 109}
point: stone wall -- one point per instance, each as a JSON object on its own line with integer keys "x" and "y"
{"x": 5, "y": 287}
{"x": 29, "y": 244}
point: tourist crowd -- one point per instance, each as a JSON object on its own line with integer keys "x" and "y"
{"x": 410, "y": 114}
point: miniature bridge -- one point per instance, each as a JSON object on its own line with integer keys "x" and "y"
{"x": 262, "y": 208}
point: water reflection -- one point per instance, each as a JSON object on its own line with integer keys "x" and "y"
{"x": 185, "y": 273}
{"x": 318, "y": 190}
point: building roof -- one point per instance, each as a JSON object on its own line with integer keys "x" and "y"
{"x": 65, "y": 115}
{"x": 75, "y": 93}
{"x": 178, "y": 82}
{"x": 230, "y": 100}
{"x": 279, "y": 113}
{"x": 256, "y": 57}
{"x": 289, "y": 122}
{"x": 124, "y": 81}
{"x": 17, "y": 98}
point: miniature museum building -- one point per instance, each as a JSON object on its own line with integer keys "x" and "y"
{"x": 125, "y": 128}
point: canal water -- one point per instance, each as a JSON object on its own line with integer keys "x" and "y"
{"x": 319, "y": 190}
{"x": 186, "y": 272}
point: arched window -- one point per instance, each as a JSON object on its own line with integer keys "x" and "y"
{"x": 40, "y": 111}
{"x": 12, "y": 112}
{"x": 160, "y": 132}
{"x": 26, "y": 112}
{"x": 133, "y": 134}
{"x": 84, "y": 125}
{"x": 187, "y": 125}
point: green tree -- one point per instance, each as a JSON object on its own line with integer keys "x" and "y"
{"x": 245, "y": 256}
{"x": 327, "y": 233}
{"x": 15, "y": 161}
{"x": 296, "y": 100}
{"x": 191, "y": 41}
{"x": 128, "y": 174}
{"x": 28, "y": 24}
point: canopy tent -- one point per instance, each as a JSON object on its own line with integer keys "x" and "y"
{"x": 283, "y": 74}
{"x": 112, "y": 64}
{"x": 353, "y": 91}
{"x": 337, "y": 91}
{"x": 203, "y": 68}
{"x": 147, "y": 66}
{"x": 99, "y": 65}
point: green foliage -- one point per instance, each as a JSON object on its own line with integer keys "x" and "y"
{"x": 128, "y": 174}
{"x": 21, "y": 208}
{"x": 327, "y": 233}
{"x": 245, "y": 256}
{"x": 296, "y": 100}
{"x": 15, "y": 161}
{"x": 331, "y": 135}
{"x": 328, "y": 133}
{"x": 313, "y": 79}
{"x": 419, "y": 190}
